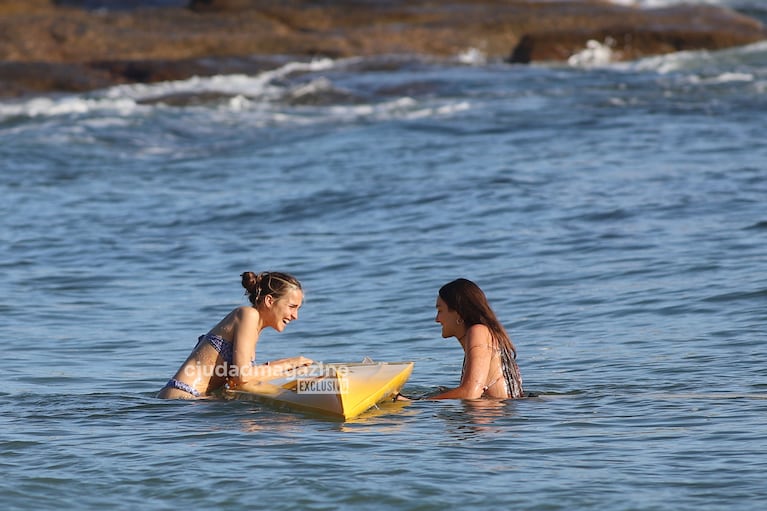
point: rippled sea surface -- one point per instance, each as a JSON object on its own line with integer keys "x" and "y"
{"x": 613, "y": 213}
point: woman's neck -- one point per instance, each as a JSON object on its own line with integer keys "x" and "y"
{"x": 462, "y": 337}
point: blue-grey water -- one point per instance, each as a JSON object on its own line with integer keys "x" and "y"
{"x": 614, "y": 214}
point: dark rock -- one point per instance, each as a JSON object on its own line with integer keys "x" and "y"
{"x": 641, "y": 33}
{"x": 115, "y": 5}
{"x": 55, "y": 47}
{"x": 20, "y": 78}
{"x": 148, "y": 71}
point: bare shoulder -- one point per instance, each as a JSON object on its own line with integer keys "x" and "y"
{"x": 245, "y": 315}
{"x": 479, "y": 330}
{"x": 479, "y": 335}
{"x": 245, "y": 311}
{"x": 237, "y": 316}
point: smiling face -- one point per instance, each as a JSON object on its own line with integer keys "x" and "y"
{"x": 284, "y": 310}
{"x": 448, "y": 319}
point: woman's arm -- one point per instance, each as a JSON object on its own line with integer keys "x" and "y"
{"x": 271, "y": 369}
{"x": 476, "y": 365}
{"x": 286, "y": 364}
{"x": 244, "y": 340}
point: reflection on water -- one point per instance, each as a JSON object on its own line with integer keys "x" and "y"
{"x": 283, "y": 423}
{"x": 386, "y": 417}
{"x": 469, "y": 418}
{"x": 462, "y": 419}
{"x": 383, "y": 418}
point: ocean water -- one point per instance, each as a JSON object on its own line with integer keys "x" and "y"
{"x": 614, "y": 213}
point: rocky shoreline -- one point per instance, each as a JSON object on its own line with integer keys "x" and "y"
{"x": 45, "y": 47}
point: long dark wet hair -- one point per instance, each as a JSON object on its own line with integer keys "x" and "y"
{"x": 260, "y": 285}
{"x": 469, "y": 301}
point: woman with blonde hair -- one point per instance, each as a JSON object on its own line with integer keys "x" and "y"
{"x": 226, "y": 354}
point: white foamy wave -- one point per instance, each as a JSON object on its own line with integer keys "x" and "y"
{"x": 728, "y": 62}
{"x": 386, "y": 110}
{"x": 52, "y": 107}
{"x": 319, "y": 85}
{"x": 400, "y": 108}
{"x": 668, "y": 63}
{"x": 262, "y": 84}
{"x": 444, "y": 110}
{"x": 595, "y": 54}
{"x": 724, "y": 78}
{"x": 259, "y": 115}
{"x": 472, "y": 56}
{"x": 122, "y": 100}
{"x": 287, "y": 96}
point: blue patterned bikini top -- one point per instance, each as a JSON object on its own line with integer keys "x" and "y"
{"x": 219, "y": 344}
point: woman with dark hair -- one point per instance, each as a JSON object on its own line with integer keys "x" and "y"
{"x": 227, "y": 352}
{"x": 489, "y": 366}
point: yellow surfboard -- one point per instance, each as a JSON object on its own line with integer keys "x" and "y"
{"x": 340, "y": 390}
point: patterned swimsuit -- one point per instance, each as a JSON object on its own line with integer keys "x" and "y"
{"x": 220, "y": 345}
